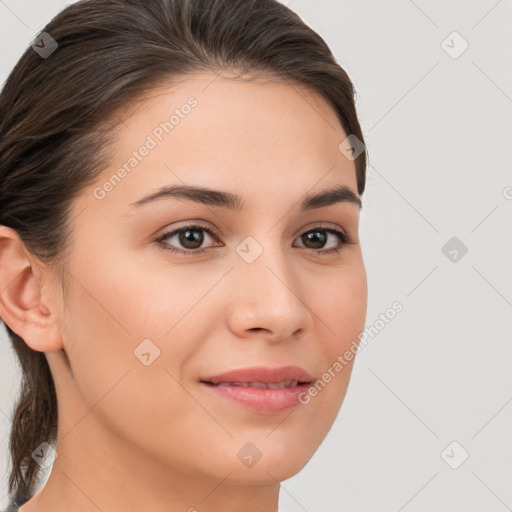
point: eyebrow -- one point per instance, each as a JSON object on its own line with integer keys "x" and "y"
{"x": 228, "y": 200}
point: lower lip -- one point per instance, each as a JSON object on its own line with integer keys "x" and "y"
{"x": 262, "y": 400}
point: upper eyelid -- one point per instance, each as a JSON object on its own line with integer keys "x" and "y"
{"x": 190, "y": 225}
{"x": 215, "y": 232}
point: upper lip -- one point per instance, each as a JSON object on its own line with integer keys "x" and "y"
{"x": 262, "y": 374}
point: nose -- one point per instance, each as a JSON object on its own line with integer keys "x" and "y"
{"x": 267, "y": 302}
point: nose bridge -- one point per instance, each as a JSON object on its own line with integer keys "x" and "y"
{"x": 265, "y": 265}
{"x": 269, "y": 296}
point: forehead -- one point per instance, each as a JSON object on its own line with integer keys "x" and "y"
{"x": 226, "y": 105}
{"x": 219, "y": 131}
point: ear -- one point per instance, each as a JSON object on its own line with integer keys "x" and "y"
{"x": 24, "y": 305}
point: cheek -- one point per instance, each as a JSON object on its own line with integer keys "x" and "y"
{"x": 153, "y": 298}
{"x": 144, "y": 404}
{"x": 340, "y": 304}
{"x": 111, "y": 310}
{"x": 136, "y": 297}
{"x": 341, "y": 312}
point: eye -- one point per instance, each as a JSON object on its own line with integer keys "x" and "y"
{"x": 191, "y": 238}
{"x": 317, "y": 238}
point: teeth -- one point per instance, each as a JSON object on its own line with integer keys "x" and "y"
{"x": 262, "y": 385}
{"x": 256, "y": 385}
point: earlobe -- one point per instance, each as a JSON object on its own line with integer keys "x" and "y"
{"x": 21, "y": 305}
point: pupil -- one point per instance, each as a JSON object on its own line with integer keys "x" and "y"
{"x": 317, "y": 237}
{"x": 193, "y": 236}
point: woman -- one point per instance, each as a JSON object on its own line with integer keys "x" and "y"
{"x": 180, "y": 267}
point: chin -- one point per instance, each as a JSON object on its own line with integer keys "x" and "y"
{"x": 274, "y": 461}
{"x": 263, "y": 474}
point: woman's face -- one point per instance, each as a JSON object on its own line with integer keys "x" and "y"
{"x": 146, "y": 323}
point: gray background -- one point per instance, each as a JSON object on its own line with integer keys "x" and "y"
{"x": 439, "y": 135}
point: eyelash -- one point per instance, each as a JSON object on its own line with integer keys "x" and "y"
{"x": 342, "y": 237}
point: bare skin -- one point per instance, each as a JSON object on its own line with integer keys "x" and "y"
{"x": 138, "y": 437}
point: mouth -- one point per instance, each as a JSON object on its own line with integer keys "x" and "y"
{"x": 283, "y": 376}
{"x": 261, "y": 389}
{"x": 261, "y": 385}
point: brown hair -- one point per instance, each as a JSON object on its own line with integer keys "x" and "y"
{"x": 54, "y": 134}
